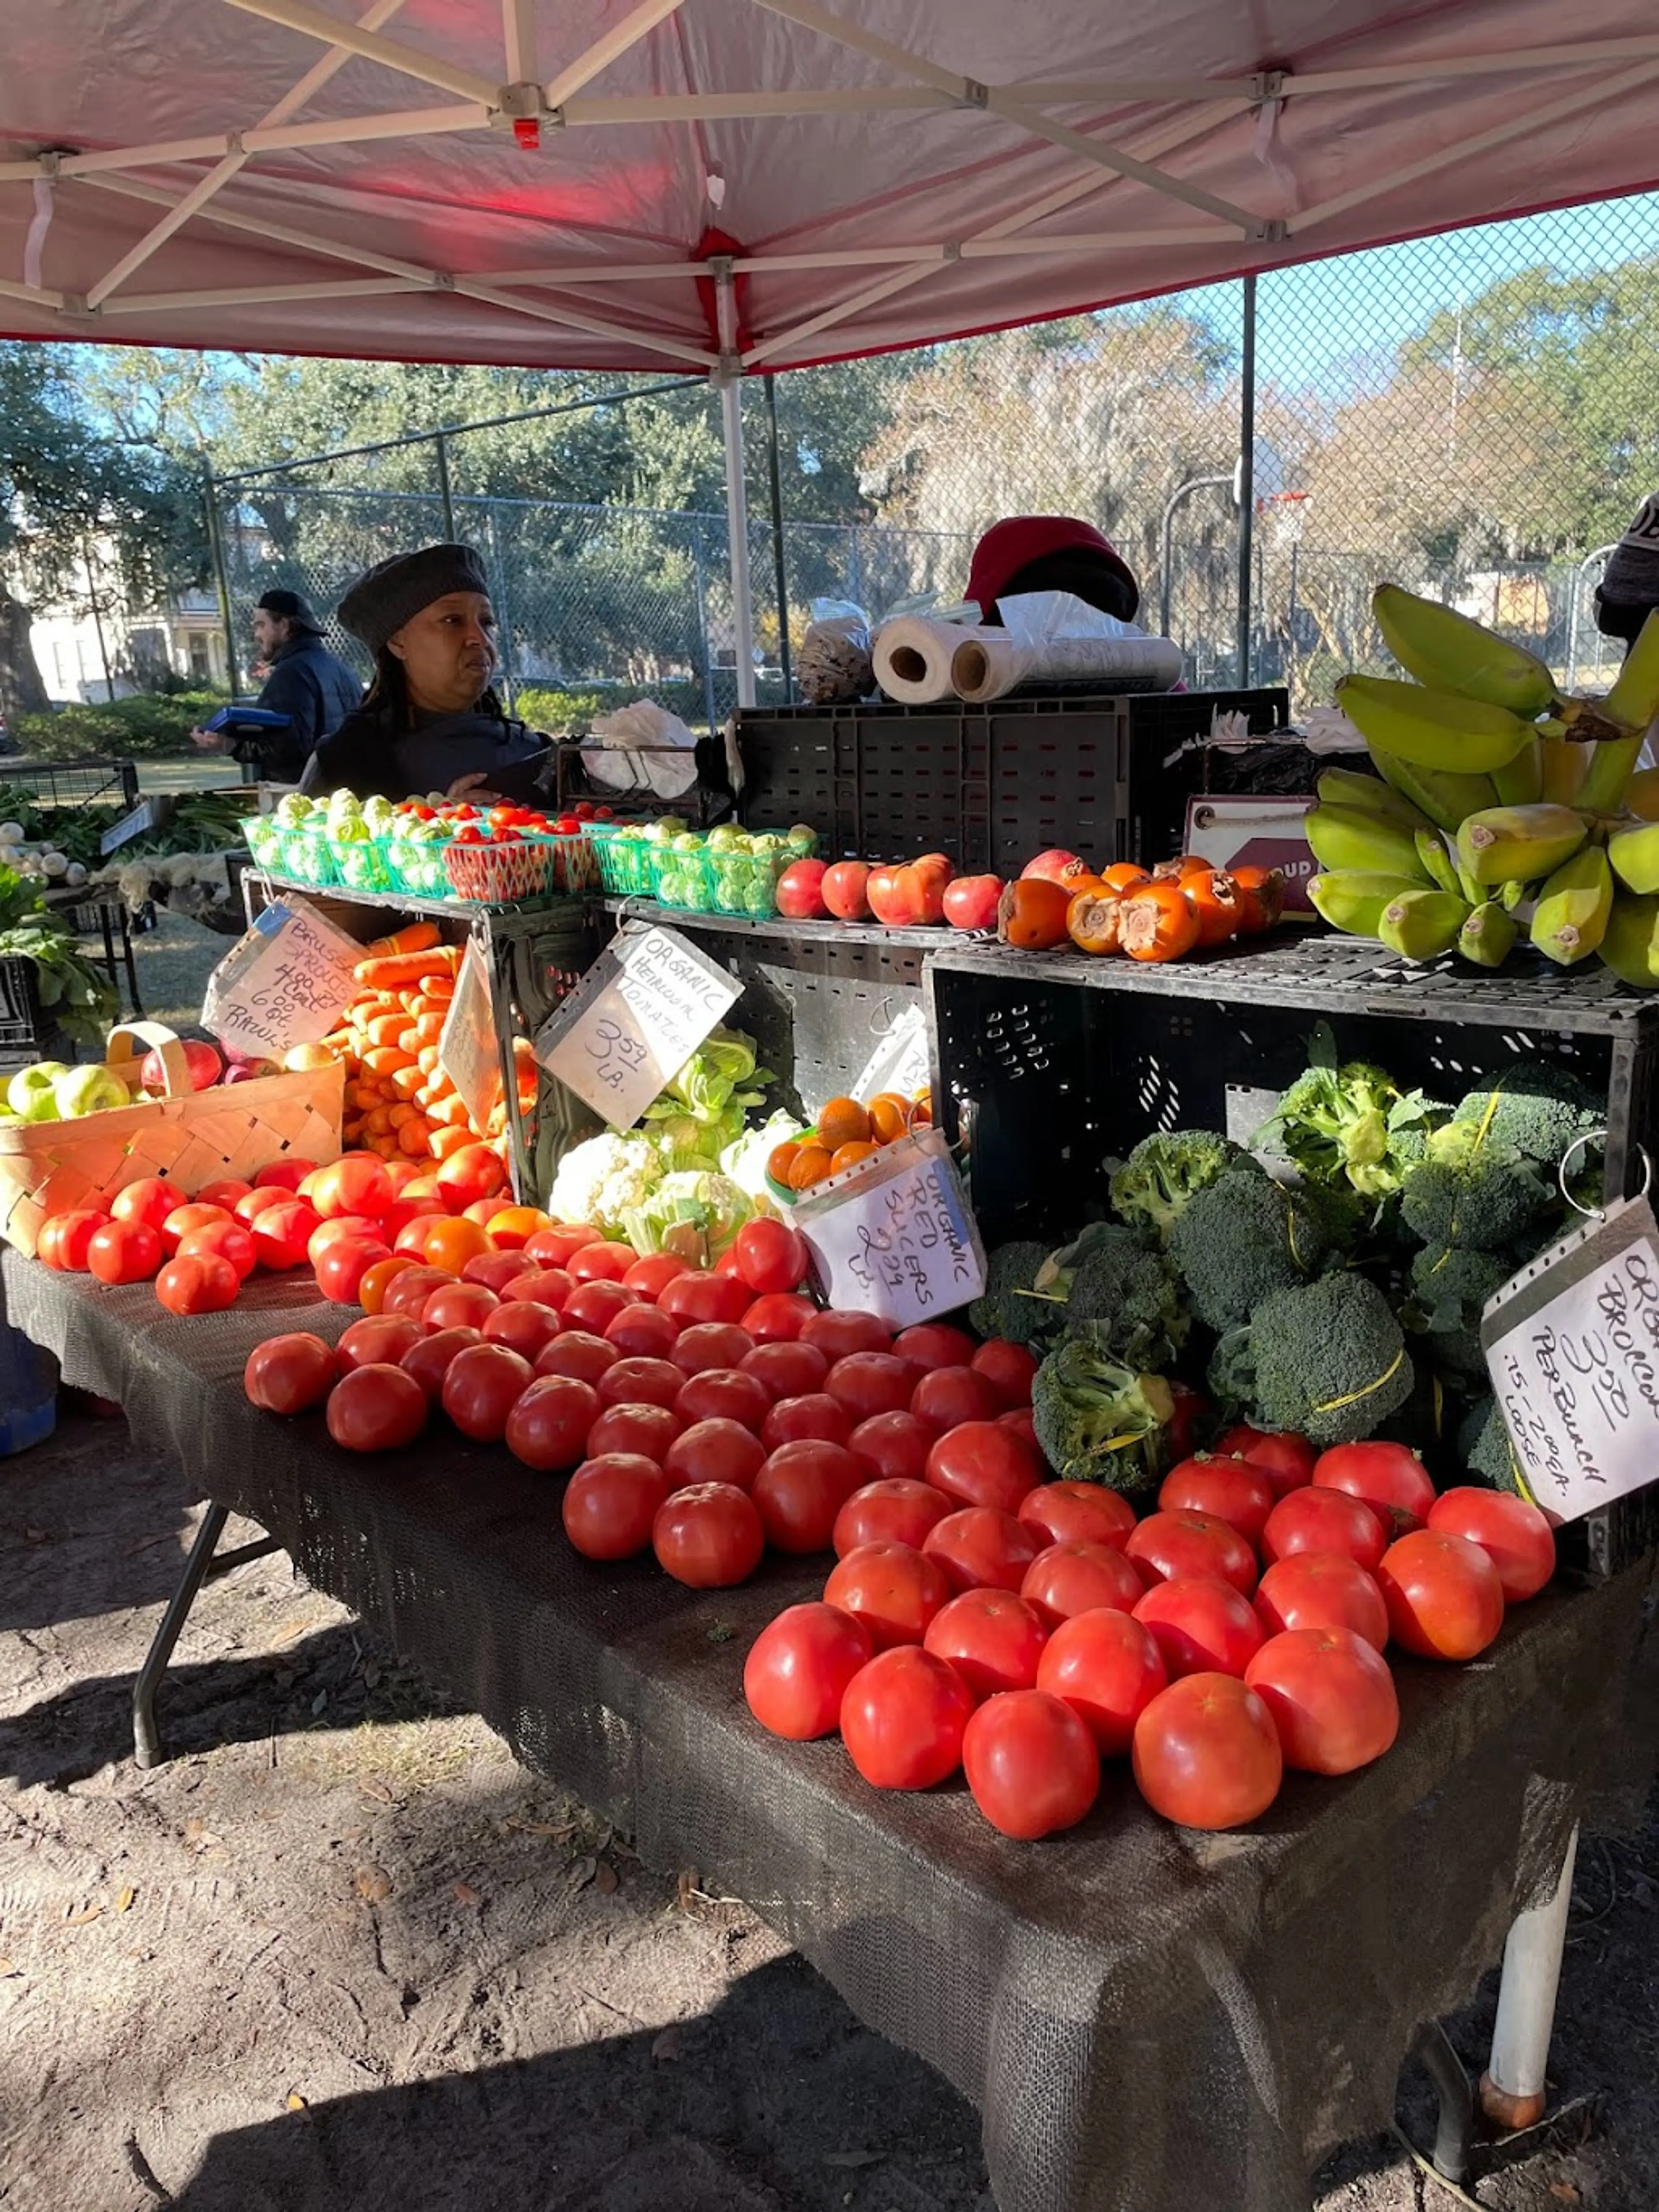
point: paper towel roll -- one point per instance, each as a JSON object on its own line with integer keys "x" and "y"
{"x": 912, "y": 654}
{"x": 987, "y": 665}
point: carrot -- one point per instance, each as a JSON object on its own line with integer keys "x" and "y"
{"x": 448, "y": 1140}
{"x": 406, "y": 1081}
{"x": 386, "y": 1059}
{"x": 448, "y": 1113}
{"x": 413, "y": 937}
{"x": 429, "y": 1029}
{"x": 385, "y": 973}
{"x": 414, "y": 1140}
{"x": 350, "y": 1130}
{"x": 402, "y": 1112}
{"x": 382, "y": 1029}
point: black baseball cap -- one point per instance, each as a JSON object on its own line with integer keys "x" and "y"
{"x": 288, "y": 607}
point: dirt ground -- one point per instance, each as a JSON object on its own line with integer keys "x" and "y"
{"x": 342, "y": 1953}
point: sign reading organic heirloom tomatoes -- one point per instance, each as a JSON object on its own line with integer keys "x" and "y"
{"x": 894, "y": 1236}
{"x": 469, "y": 1051}
{"x": 636, "y": 1018}
{"x": 1572, "y": 1345}
{"x": 286, "y": 982}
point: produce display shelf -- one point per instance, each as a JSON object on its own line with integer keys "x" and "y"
{"x": 504, "y": 922}
{"x": 827, "y": 935}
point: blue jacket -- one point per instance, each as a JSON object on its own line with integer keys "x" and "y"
{"x": 316, "y": 692}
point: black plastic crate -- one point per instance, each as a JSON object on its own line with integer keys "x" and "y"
{"x": 73, "y": 783}
{"x": 25, "y": 1032}
{"x": 991, "y": 785}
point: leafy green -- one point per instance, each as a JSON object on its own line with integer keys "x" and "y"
{"x": 78, "y": 997}
{"x": 1349, "y": 1126}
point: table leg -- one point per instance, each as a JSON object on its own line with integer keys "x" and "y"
{"x": 146, "y": 1740}
{"x": 1512, "y": 2088}
{"x": 1453, "y": 2128}
{"x": 131, "y": 967}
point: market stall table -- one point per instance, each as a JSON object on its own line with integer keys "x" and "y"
{"x": 1151, "y": 2019}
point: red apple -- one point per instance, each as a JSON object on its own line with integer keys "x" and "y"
{"x": 800, "y": 891}
{"x": 1057, "y": 866}
{"x": 905, "y": 897}
{"x": 250, "y": 1071}
{"x": 844, "y": 892}
{"x": 970, "y": 902}
{"x": 203, "y": 1061}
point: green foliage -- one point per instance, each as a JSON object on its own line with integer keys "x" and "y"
{"x": 556, "y": 712}
{"x": 1349, "y": 1126}
{"x": 144, "y": 727}
{"x": 1096, "y": 1420}
{"x": 1151, "y": 1190}
{"x": 1330, "y": 1360}
{"x": 79, "y": 998}
{"x": 1483, "y": 1443}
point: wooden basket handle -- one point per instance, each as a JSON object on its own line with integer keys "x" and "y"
{"x": 124, "y": 1060}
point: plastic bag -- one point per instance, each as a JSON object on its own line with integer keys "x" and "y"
{"x": 833, "y": 664}
{"x": 609, "y": 754}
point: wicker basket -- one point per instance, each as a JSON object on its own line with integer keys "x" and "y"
{"x": 191, "y": 1137}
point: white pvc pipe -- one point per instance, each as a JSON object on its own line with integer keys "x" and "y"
{"x": 737, "y": 497}
{"x": 1512, "y": 2088}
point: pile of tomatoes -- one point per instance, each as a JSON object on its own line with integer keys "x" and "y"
{"x": 847, "y": 1131}
{"x": 1236, "y": 1631}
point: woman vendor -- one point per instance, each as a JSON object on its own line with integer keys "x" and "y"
{"x": 431, "y": 721}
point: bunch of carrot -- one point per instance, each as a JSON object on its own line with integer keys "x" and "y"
{"x": 399, "y": 1103}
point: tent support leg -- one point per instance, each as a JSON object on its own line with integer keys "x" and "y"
{"x": 737, "y": 497}
{"x": 146, "y": 1740}
{"x": 1512, "y": 2089}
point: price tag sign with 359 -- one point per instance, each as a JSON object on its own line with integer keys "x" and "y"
{"x": 639, "y": 1015}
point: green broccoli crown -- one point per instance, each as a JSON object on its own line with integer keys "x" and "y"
{"x": 1349, "y": 1126}
{"x": 1330, "y": 1359}
{"x": 1451, "y": 1284}
{"x": 1134, "y": 1292}
{"x": 1096, "y": 1420}
{"x": 1231, "y": 1375}
{"x": 1152, "y": 1187}
{"x": 1488, "y": 1201}
{"x": 1001, "y": 1310}
{"x": 1483, "y": 1441}
{"x": 1533, "y": 1108}
{"x": 1241, "y": 1240}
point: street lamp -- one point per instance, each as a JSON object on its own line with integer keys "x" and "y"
{"x": 1192, "y": 485}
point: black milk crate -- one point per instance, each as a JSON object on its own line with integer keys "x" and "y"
{"x": 25, "y": 1033}
{"x": 1047, "y": 1066}
{"x": 73, "y": 783}
{"x": 991, "y": 785}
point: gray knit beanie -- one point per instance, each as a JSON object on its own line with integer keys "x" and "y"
{"x": 393, "y": 592}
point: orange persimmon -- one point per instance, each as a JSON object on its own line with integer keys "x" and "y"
{"x": 1124, "y": 875}
{"x": 1260, "y": 895}
{"x": 1214, "y": 900}
{"x": 1031, "y": 914}
{"x": 1092, "y": 921}
{"x": 1158, "y": 921}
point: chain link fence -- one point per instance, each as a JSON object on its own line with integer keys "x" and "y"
{"x": 1475, "y": 415}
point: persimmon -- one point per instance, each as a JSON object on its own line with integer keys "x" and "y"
{"x": 844, "y": 1121}
{"x": 1031, "y": 914}
{"x": 1158, "y": 921}
{"x": 1124, "y": 875}
{"x": 780, "y": 1161}
{"x": 1092, "y": 921}
{"x": 1215, "y": 903}
{"x": 1260, "y": 895}
{"x": 1180, "y": 866}
{"x": 890, "y": 1116}
{"x": 812, "y": 1164}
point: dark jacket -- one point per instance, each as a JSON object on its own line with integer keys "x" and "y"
{"x": 369, "y": 754}
{"x": 315, "y": 692}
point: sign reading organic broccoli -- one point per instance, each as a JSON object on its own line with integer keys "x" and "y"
{"x": 894, "y": 1236}
{"x": 285, "y": 982}
{"x": 637, "y": 1016}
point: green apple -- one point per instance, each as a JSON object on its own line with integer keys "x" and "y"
{"x": 92, "y": 1090}
{"x": 32, "y": 1092}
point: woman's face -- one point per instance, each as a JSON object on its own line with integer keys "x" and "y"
{"x": 448, "y": 651}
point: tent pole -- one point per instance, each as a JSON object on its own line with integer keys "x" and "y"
{"x": 737, "y": 500}
{"x": 1246, "y": 479}
{"x": 779, "y": 572}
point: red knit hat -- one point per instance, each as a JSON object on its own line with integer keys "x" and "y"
{"x": 1013, "y": 545}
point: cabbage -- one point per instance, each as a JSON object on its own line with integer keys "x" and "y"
{"x": 707, "y": 1091}
{"x": 694, "y": 1214}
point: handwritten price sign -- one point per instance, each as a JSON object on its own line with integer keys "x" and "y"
{"x": 469, "y": 1051}
{"x": 285, "y": 982}
{"x": 894, "y": 1236}
{"x": 639, "y": 1013}
{"x": 1573, "y": 1346}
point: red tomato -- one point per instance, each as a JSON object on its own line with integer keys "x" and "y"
{"x": 1322, "y": 1590}
{"x": 799, "y": 1668}
{"x": 410, "y": 1235}
{"x": 1168, "y": 1546}
{"x": 696, "y": 1297}
{"x": 777, "y": 1319}
{"x": 408, "y": 1291}
{"x": 150, "y": 1200}
{"x": 947, "y": 1397}
{"x": 282, "y": 1233}
{"x": 1079, "y": 1513}
{"x": 771, "y": 1256}
{"x": 258, "y": 1202}
{"x": 428, "y": 1361}
{"x": 1109, "y": 1669}
{"x": 197, "y": 1283}
{"x": 644, "y": 1429}
{"x": 578, "y": 1354}
{"x": 554, "y": 1246}
{"x": 992, "y": 1639}
{"x": 482, "y": 1387}
{"x": 496, "y": 1270}
{"x": 1200, "y": 1626}
{"x": 837, "y": 1333}
{"x": 1514, "y": 1536}
{"x": 549, "y": 1426}
{"x": 66, "y": 1239}
{"x": 815, "y": 1417}
{"x": 872, "y": 1383}
{"x": 226, "y": 1240}
{"x": 124, "y": 1251}
{"x": 473, "y": 1173}
{"x": 786, "y": 1369}
{"x": 1067, "y": 1579}
{"x": 979, "y": 1463}
{"x": 350, "y": 1226}
{"x": 1444, "y": 1596}
{"x": 979, "y": 1548}
{"x": 1207, "y": 1753}
{"x": 600, "y": 1263}
{"x": 640, "y": 1332}
{"x": 932, "y": 1344}
{"x": 378, "y": 1341}
{"x": 284, "y": 1174}
{"x": 184, "y": 1218}
{"x": 1331, "y": 1696}
{"x": 340, "y": 1268}
{"x": 630, "y": 1382}
{"x": 903, "y": 1718}
{"x": 1391, "y": 1479}
{"x": 1008, "y": 1368}
{"x": 357, "y": 1183}
{"x": 523, "y": 1328}
{"x": 709, "y": 1343}
{"x": 892, "y": 1588}
{"x": 610, "y": 1503}
{"x": 1324, "y": 1521}
{"x": 1285, "y": 1458}
{"x": 715, "y": 1450}
{"x": 889, "y": 1511}
{"x": 649, "y": 1277}
{"x": 229, "y": 1192}
{"x": 800, "y": 1490}
{"x": 548, "y": 1286}
{"x": 457, "y": 1306}
{"x": 376, "y": 1409}
{"x": 290, "y": 1374}
{"x": 708, "y": 1536}
{"x": 724, "y": 1394}
{"x": 596, "y": 1305}
{"x": 727, "y": 1265}
{"x": 1030, "y": 1763}
{"x": 1230, "y": 1490}
{"x": 893, "y": 1445}
{"x": 1019, "y": 1423}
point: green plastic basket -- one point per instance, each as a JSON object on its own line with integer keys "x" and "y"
{"x": 627, "y": 865}
{"x": 363, "y": 865}
{"x": 686, "y": 880}
{"x": 415, "y": 866}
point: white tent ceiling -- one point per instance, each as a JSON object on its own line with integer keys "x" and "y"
{"x": 275, "y": 174}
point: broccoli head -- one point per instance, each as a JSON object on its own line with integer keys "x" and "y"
{"x": 1488, "y": 1201}
{"x": 1132, "y": 1292}
{"x": 1152, "y": 1188}
{"x": 1350, "y": 1127}
{"x": 1330, "y": 1360}
{"x": 1241, "y": 1240}
{"x": 1451, "y": 1286}
{"x": 1005, "y": 1307}
{"x": 1483, "y": 1441}
{"x": 1231, "y": 1376}
{"x": 1533, "y": 1108}
{"x": 1096, "y": 1420}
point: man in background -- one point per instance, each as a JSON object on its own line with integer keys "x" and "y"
{"x": 305, "y": 682}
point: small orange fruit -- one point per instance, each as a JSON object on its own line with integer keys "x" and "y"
{"x": 513, "y": 1226}
{"x": 848, "y": 1155}
{"x": 890, "y": 1116}
{"x": 844, "y": 1121}
{"x": 371, "y": 1291}
{"x": 451, "y": 1241}
{"x": 812, "y": 1164}
{"x": 780, "y": 1161}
